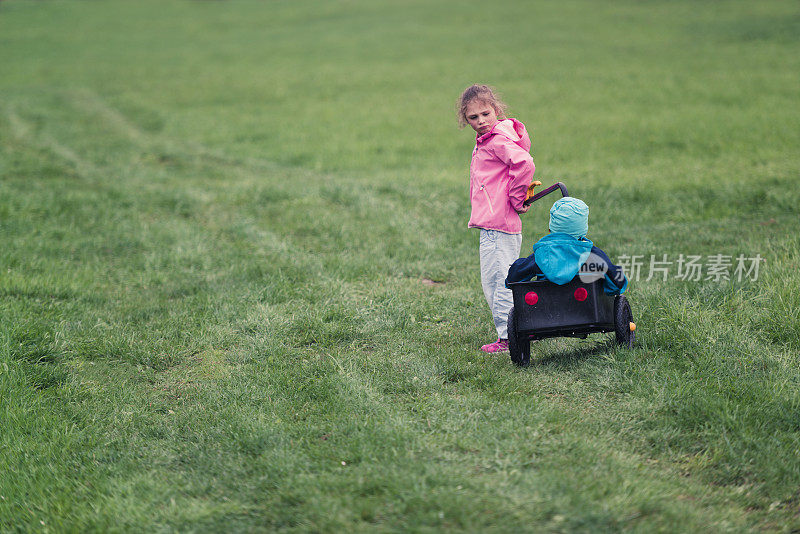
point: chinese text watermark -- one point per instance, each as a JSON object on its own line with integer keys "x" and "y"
{"x": 713, "y": 267}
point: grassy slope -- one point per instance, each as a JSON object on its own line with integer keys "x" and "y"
{"x": 215, "y": 226}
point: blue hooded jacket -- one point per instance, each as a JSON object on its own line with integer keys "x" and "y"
{"x": 558, "y": 257}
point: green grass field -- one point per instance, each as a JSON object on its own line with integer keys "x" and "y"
{"x": 237, "y": 290}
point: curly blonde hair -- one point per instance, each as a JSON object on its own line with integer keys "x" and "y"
{"x": 481, "y": 92}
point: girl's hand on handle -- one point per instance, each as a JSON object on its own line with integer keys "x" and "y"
{"x": 528, "y": 195}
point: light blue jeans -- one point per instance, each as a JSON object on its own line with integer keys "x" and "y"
{"x": 498, "y": 251}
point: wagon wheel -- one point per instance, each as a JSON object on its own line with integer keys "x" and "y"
{"x": 519, "y": 348}
{"x": 624, "y": 327}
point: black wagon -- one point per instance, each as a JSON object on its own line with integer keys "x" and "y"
{"x": 543, "y": 309}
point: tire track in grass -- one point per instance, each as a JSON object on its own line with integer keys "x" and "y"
{"x": 162, "y": 149}
{"x": 24, "y": 131}
{"x": 91, "y": 102}
{"x": 248, "y": 170}
{"x": 197, "y": 163}
{"x": 208, "y": 196}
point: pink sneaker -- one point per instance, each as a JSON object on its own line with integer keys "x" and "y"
{"x": 501, "y": 345}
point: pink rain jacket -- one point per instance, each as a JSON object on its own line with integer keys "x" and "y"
{"x": 499, "y": 176}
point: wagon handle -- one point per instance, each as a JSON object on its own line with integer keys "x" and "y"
{"x": 537, "y": 196}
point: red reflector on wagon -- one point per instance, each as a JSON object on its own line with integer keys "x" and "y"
{"x": 531, "y": 298}
{"x": 581, "y": 294}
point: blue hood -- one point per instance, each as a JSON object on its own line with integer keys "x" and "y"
{"x": 560, "y": 256}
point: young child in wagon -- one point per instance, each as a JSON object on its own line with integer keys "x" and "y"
{"x": 566, "y": 251}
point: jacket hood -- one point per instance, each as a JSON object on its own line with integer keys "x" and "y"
{"x": 560, "y": 256}
{"x": 512, "y": 129}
